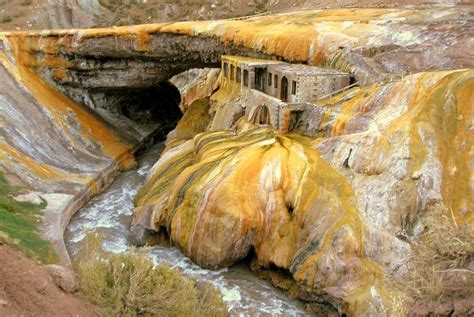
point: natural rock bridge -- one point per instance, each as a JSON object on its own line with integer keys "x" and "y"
{"x": 388, "y": 159}
{"x": 106, "y": 68}
{"x": 141, "y": 56}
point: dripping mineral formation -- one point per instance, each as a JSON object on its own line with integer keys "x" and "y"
{"x": 330, "y": 186}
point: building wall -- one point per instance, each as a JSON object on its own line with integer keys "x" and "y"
{"x": 310, "y": 89}
{"x": 311, "y": 122}
{"x": 272, "y": 90}
{"x": 254, "y": 98}
{"x": 227, "y": 79}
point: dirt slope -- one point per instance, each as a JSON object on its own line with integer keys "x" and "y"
{"x": 26, "y": 289}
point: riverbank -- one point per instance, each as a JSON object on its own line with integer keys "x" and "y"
{"x": 109, "y": 215}
{"x": 27, "y": 289}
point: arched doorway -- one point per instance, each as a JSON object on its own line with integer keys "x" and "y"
{"x": 284, "y": 89}
{"x": 232, "y": 68}
{"x": 260, "y": 115}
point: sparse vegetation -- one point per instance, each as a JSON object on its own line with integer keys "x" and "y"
{"x": 130, "y": 284}
{"x": 26, "y": 3}
{"x": 260, "y": 5}
{"x": 19, "y": 225}
{"x": 109, "y": 4}
{"x": 139, "y": 12}
{"x": 442, "y": 269}
{"x": 6, "y": 19}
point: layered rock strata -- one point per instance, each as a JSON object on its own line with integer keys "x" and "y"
{"x": 372, "y": 43}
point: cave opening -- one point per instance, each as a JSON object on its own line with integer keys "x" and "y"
{"x": 140, "y": 112}
{"x": 154, "y": 104}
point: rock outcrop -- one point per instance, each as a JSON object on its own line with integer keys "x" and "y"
{"x": 372, "y": 43}
{"x": 196, "y": 84}
{"x": 66, "y": 14}
{"x": 224, "y": 194}
{"x": 339, "y": 211}
{"x": 405, "y": 147}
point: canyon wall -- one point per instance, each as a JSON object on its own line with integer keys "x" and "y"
{"x": 337, "y": 212}
{"x": 374, "y": 44}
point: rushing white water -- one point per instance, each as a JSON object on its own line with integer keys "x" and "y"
{"x": 109, "y": 214}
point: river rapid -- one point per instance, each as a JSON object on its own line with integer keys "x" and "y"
{"x": 110, "y": 214}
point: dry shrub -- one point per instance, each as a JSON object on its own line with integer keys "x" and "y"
{"x": 129, "y": 284}
{"x": 443, "y": 260}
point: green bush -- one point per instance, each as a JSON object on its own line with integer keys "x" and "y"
{"x": 129, "y": 284}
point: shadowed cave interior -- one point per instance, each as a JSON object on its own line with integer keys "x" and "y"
{"x": 154, "y": 107}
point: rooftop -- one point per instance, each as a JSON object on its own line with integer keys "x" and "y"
{"x": 250, "y": 60}
{"x": 285, "y": 68}
{"x": 305, "y": 70}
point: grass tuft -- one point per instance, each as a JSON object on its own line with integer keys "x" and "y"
{"x": 130, "y": 284}
{"x": 6, "y": 19}
{"x": 442, "y": 261}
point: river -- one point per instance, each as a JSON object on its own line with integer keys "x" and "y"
{"x": 110, "y": 214}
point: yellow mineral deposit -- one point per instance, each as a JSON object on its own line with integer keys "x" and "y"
{"x": 57, "y": 104}
{"x": 10, "y": 156}
{"x": 226, "y": 192}
{"x": 436, "y": 107}
{"x": 223, "y": 193}
{"x": 222, "y": 190}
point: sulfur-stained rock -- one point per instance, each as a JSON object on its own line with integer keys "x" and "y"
{"x": 195, "y": 120}
{"x": 402, "y": 148}
{"x": 337, "y": 212}
{"x": 340, "y": 223}
{"x": 196, "y": 84}
{"x": 224, "y": 193}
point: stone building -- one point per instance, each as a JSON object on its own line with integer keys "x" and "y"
{"x": 291, "y": 83}
{"x": 287, "y": 90}
{"x": 297, "y": 83}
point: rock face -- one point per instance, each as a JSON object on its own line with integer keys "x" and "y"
{"x": 196, "y": 84}
{"x": 372, "y": 43}
{"x": 405, "y": 147}
{"x": 338, "y": 212}
{"x": 49, "y": 141}
{"x": 46, "y": 14}
{"x": 224, "y": 194}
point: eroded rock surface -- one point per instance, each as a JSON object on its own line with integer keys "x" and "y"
{"x": 405, "y": 147}
{"x": 224, "y": 193}
{"x": 336, "y": 211}
{"x": 196, "y": 84}
{"x": 339, "y": 211}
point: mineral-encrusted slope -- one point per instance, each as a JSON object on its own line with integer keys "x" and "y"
{"x": 338, "y": 212}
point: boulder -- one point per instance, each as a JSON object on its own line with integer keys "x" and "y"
{"x": 63, "y": 277}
